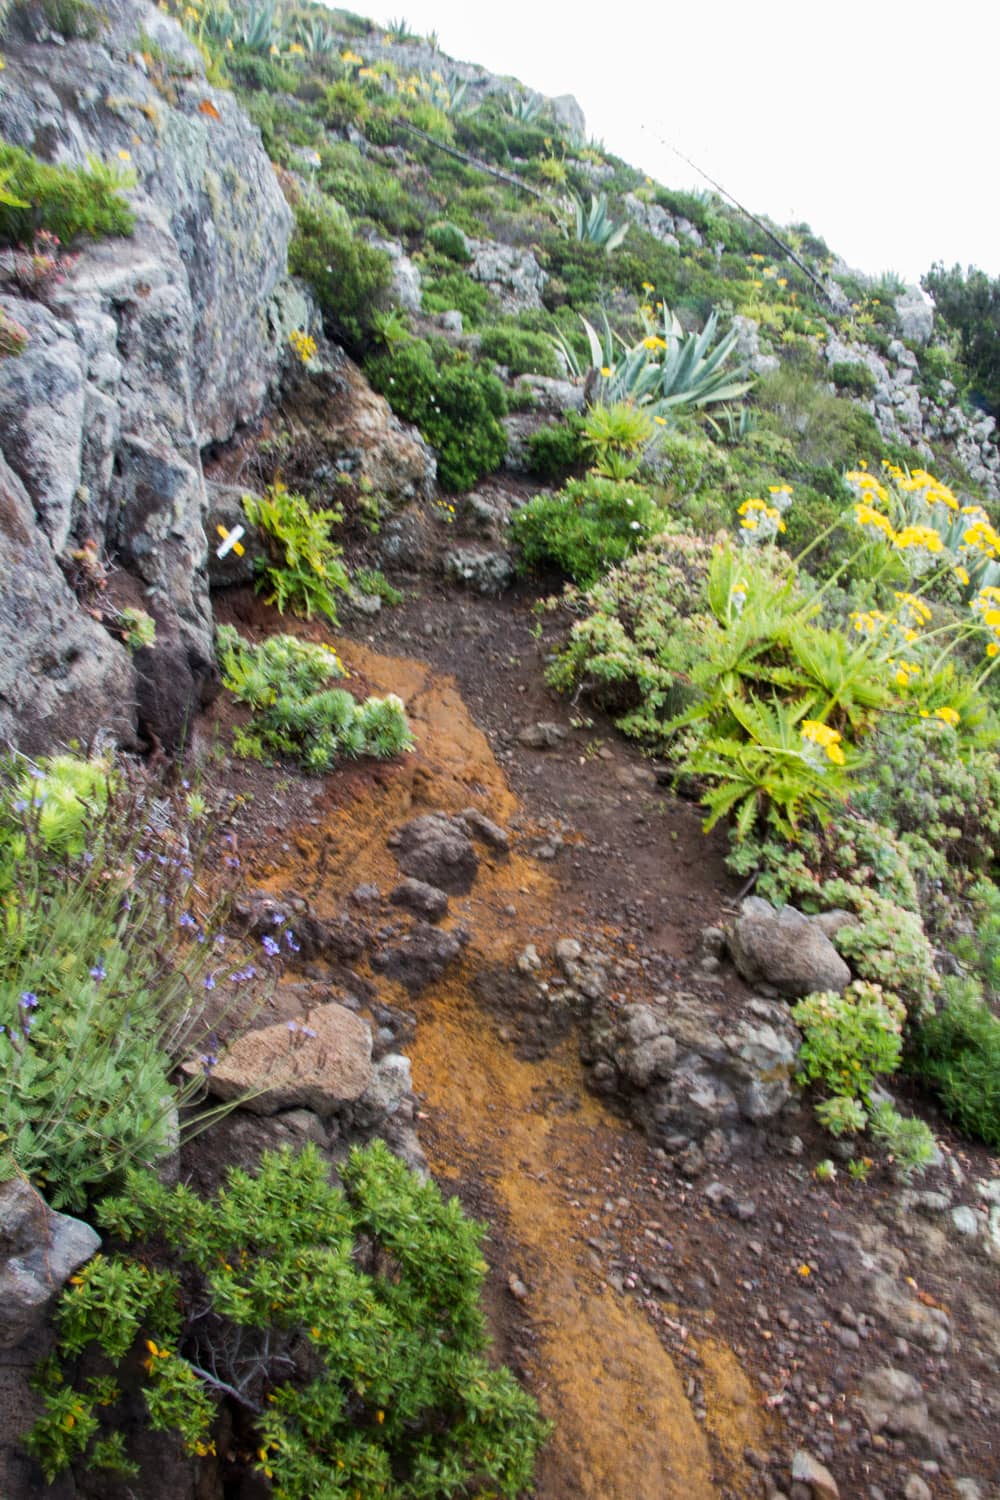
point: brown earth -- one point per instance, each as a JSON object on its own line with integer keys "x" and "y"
{"x": 679, "y": 1352}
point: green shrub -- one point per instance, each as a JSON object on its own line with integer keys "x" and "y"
{"x": 523, "y": 353}
{"x": 106, "y": 950}
{"x": 70, "y": 202}
{"x": 588, "y": 526}
{"x": 888, "y": 946}
{"x": 957, "y": 1050}
{"x": 70, "y": 18}
{"x": 347, "y": 1322}
{"x": 856, "y": 378}
{"x": 557, "y": 448}
{"x": 449, "y": 240}
{"x": 351, "y": 279}
{"x": 296, "y": 713}
{"x": 909, "y": 1141}
{"x": 305, "y": 568}
{"x": 456, "y": 405}
{"x": 849, "y": 1039}
{"x": 446, "y": 291}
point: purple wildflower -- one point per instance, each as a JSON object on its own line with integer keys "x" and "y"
{"x": 98, "y": 972}
{"x": 269, "y": 945}
{"x": 209, "y": 981}
{"x": 290, "y": 940}
{"x": 292, "y": 1026}
{"x": 308, "y": 1031}
{"x": 28, "y": 1000}
{"x": 208, "y": 1061}
{"x": 277, "y": 918}
{"x": 21, "y": 805}
{"x": 186, "y": 920}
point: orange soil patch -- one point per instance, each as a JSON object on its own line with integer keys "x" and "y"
{"x": 624, "y": 1427}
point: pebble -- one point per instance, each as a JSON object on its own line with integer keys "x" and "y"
{"x": 964, "y": 1221}
{"x": 916, "y": 1488}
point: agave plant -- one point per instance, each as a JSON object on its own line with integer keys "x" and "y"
{"x": 663, "y": 371}
{"x": 524, "y": 108}
{"x": 317, "y": 38}
{"x": 594, "y": 227}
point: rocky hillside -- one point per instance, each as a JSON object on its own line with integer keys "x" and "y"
{"x": 619, "y": 501}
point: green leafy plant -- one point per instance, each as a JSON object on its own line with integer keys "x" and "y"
{"x": 849, "y": 1039}
{"x": 103, "y": 979}
{"x": 70, "y": 202}
{"x": 138, "y": 628}
{"x": 909, "y": 1142}
{"x": 345, "y": 1323}
{"x": 295, "y": 712}
{"x": 305, "y": 569}
{"x": 618, "y": 438}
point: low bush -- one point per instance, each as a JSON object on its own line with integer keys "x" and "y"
{"x": 69, "y": 202}
{"x": 456, "y": 405}
{"x": 346, "y": 1322}
{"x": 557, "y": 448}
{"x": 855, "y": 378}
{"x": 448, "y": 239}
{"x": 957, "y": 1051}
{"x": 296, "y": 713}
{"x": 454, "y": 290}
{"x": 523, "y": 353}
{"x": 351, "y": 280}
{"x": 591, "y": 524}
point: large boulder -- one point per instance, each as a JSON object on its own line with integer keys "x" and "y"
{"x": 320, "y": 1063}
{"x": 785, "y": 949}
{"x": 149, "y": 349}
{"x": 437, "y": 849}
{"x": 686, "y": 1067}
{"x": 39, "y": 1251}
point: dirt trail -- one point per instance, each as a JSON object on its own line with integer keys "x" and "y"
{"x": 625, "y": 1429}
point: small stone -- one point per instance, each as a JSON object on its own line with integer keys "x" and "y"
{"x": 808, "y": 1470}
{"x": 516, "y": 1287}
{"x": 543, "y": 735}
{"x": 916, "y": 1488}
{"x": 964, "y": 1221}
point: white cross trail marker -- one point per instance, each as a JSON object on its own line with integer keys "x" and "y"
{"x": 230, "y": 541}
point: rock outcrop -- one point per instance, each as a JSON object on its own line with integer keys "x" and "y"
{"x": 151, "y": 348}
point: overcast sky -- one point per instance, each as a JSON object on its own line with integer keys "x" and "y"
{"x": 873, "y": 120}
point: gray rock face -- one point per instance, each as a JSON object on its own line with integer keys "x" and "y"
{"x": 152, "y": 346}
{"x": 685, "y": 1070}
{"x": 892, "y": 1401}
{"x": 485, "y": 572}
{"x": 39, "y": 1251}
{"x": 437, "y": 849}
{"x": 916, "y": 316}
{"x": 808, "y": 1470}
{"x": 61, "y": 676}
{"x": 513, "y": 276}
{"x": 785, "y": 949}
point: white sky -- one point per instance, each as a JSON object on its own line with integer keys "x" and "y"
{"x": 873, "y": 120}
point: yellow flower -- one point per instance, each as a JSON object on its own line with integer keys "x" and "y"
{"x": 124, "y": 156}
{"x": 652, "y": 342}
{"x": 826, "y": 737}
{"x": 947, "y": 716}
{"x": 351, "y": 58}
{"x": 782, "y": 281}
{"x": 297, "y": 49}
{"x": 962, "y": 576}
{"x": 606, "y": 371}
{"x": 660, "y": 421}
{"x": 647, "y": 286}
